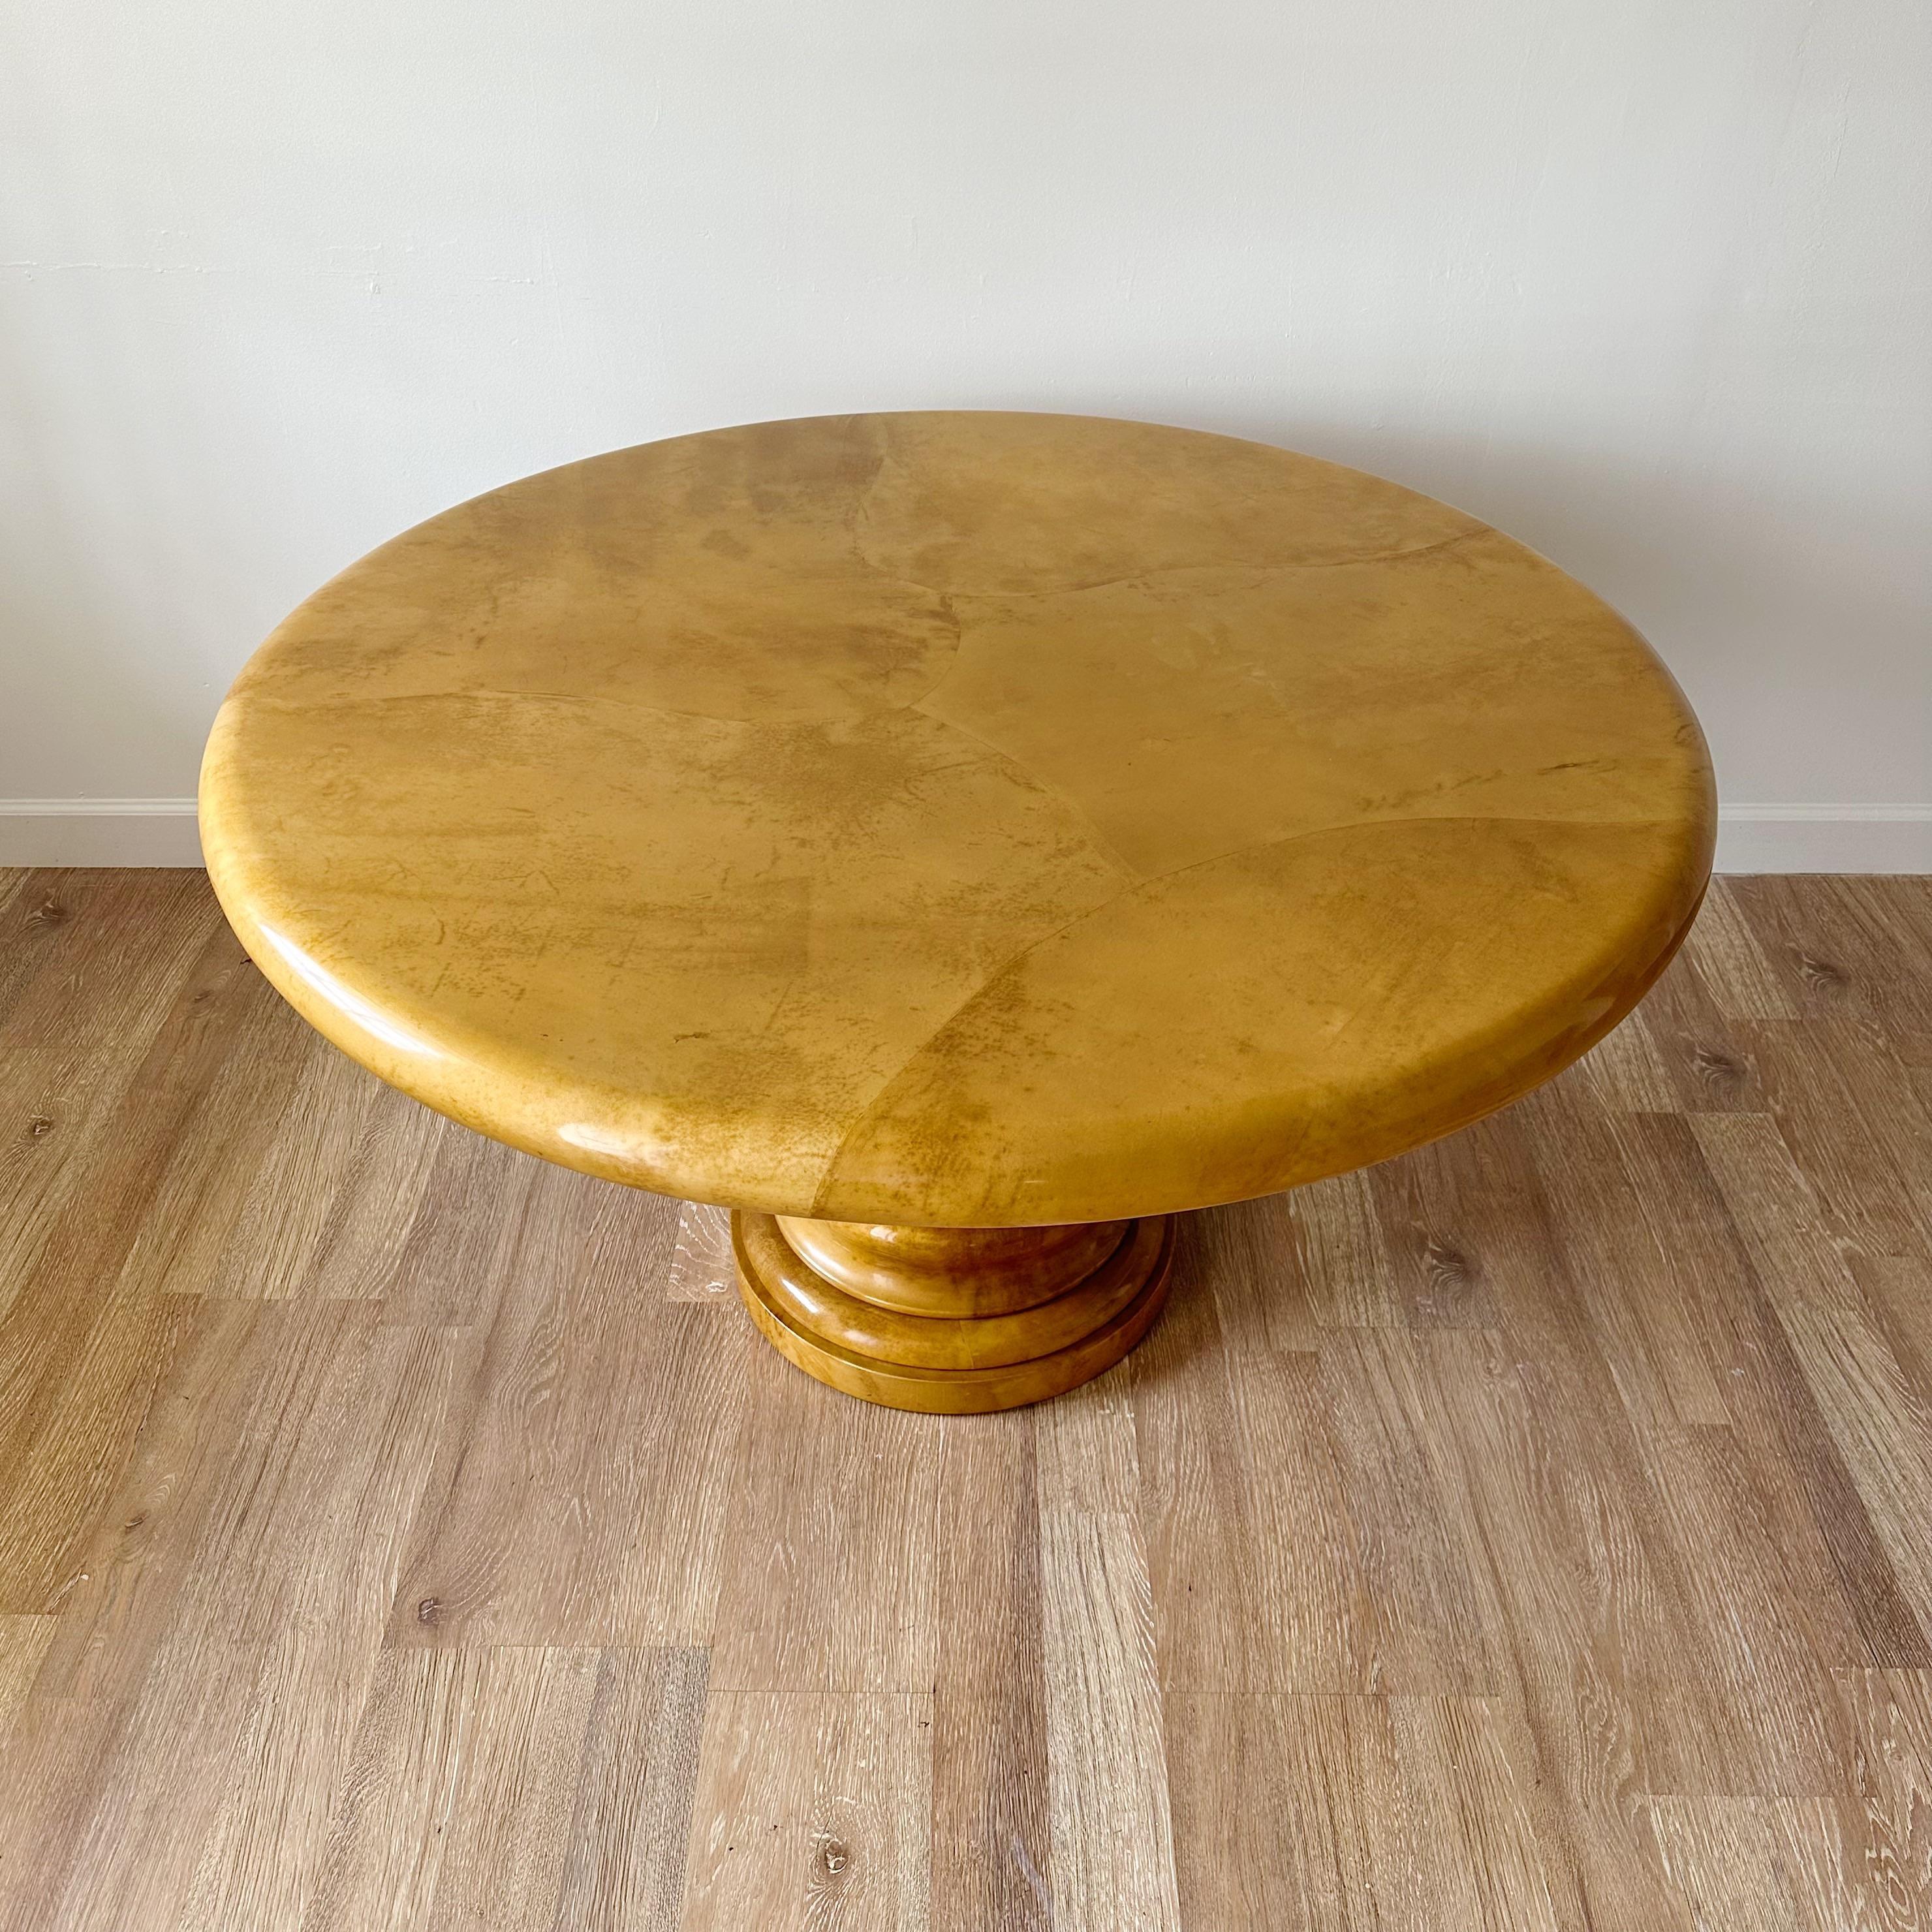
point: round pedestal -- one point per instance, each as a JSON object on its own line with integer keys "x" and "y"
{"x": 953, "y": 1321}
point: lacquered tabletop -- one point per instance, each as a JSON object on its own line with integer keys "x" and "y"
{"x": 965, "y": 819}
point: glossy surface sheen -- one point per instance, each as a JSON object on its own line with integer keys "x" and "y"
{"x": 967, "y": 820}
{"x": 952, "y": 1271}
{"x": 967, "y": 1363}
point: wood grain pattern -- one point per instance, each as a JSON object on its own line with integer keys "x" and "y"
{"x": 701, "y": 1265}
{"x": 812, "y": 1809}
{"x": 829, "y": 1549}
{"x": 992, "y": 1855}
{"x": 625, "y": 1871}
{"x": 1398, "y": 1811}
{"x": 23, "y": 1646}
{"x": 396, "y": 1532}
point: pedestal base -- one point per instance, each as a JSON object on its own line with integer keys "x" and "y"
{"x": 953, "y": 1321}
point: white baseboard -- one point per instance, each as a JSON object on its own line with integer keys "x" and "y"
{"x": 98, "y": 832}
{"x": 1750, "y": 838}
{"x": 1825, "y": 839}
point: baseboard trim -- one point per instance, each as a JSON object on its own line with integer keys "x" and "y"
{"x": 1750, "y": 838}
{"x": 99, "y": 832}
{"x": 1825, "y": 839}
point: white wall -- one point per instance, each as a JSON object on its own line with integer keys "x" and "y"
{"x": 1647, "y": 285}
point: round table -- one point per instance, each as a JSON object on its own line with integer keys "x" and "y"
{"x": 958, "y": 842}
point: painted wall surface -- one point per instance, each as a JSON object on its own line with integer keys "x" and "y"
{"x": 1648, "y": 286}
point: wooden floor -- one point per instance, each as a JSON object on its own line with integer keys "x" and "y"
{"x": 396, "y": 1531}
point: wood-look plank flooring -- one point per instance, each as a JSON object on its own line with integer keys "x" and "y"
{"x": 1533, "y": 1532}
